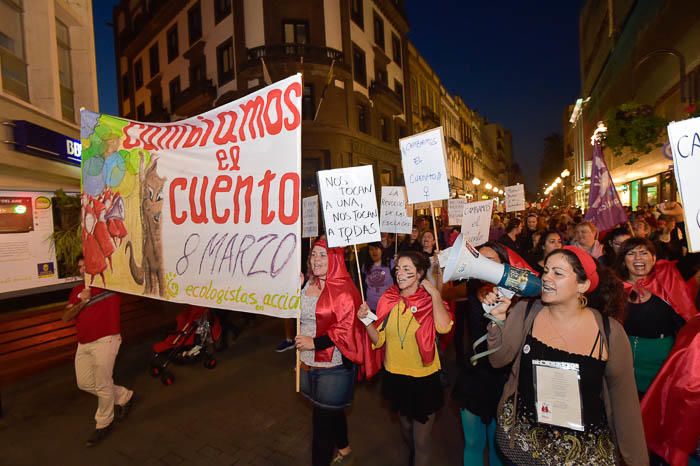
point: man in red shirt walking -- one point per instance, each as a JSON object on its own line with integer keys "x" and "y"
{"x": 96, "y": 314}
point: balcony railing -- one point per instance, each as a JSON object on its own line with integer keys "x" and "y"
{"x": 198, "y": 91}
{"x": 158, "y": 115}
{"x": 429, "y": 114}
{"x": 380, "y": 88}
{"x": 294, "y": 52}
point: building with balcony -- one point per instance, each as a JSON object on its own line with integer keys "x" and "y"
{"x": 628, "y": 55}
{"x": 47, "y": 72}
{"x": 182, "y": 57}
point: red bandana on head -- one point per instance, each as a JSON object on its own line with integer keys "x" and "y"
{"x": 337, "y": 307}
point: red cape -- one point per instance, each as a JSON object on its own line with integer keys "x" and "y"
{"x": 666, "y": 282}
{"x": 516, "y": 260}
{"x": 671, "y": 406}
{"x": 337, "y": 307}
{"x": 425, "y": 335}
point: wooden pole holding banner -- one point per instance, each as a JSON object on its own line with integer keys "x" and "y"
{"x": 396, "y": 244}
{"x": 298, "y": 363}
{"x": 432, "y": 212}
{"x": 359, "y": 273}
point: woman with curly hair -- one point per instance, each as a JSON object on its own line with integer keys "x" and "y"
{"x": 568, "y": 339}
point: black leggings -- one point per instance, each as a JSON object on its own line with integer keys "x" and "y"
{"x": 330, "y": 432}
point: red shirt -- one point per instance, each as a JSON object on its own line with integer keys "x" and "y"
{"x": 100, "y": 318}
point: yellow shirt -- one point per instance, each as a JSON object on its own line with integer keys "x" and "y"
{"x": 399, "y": 335}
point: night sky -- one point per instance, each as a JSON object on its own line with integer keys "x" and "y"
{"x": 515, "y": 62}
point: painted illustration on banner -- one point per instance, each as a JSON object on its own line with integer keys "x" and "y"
{"x": 205, "y": 210}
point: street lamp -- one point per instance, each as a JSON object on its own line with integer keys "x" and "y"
{"x": 495, "y": 189}
{"x": 500, "y": 191}
{"x": 488, "y": 186}
{"x": 476, "y": 181}
{"x": 565, "y": 173}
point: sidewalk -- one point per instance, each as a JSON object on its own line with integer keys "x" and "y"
{"x": 244, "y": 412}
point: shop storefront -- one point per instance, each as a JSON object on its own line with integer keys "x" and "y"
{"x": 649, "y": 190}
{"x": 36, "y": 162}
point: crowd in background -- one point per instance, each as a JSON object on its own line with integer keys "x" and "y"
{"x": 649, "y": 288}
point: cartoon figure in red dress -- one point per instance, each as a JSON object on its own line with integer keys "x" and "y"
{"x": 102, "y": 233}
{"x": 95, "y": 263}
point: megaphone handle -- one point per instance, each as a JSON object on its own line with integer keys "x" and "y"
{"x": 359, "y": 273}
{"x": 483, "y": 338}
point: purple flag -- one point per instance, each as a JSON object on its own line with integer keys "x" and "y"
{"x": 604, "y": 207}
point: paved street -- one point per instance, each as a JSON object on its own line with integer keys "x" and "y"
{"x": 244, "y": 412}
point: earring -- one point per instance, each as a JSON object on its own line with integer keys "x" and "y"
{"x": 582, "y": 300}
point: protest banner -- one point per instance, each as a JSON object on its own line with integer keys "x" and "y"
{"x": 515, "y": 198}
{"x": 202, "y": 211}
{"x": 684, "y": 137}
{"x": 423, "y": 160}
{"x": 349, "y": 205}
{"x": 455, "y": 210}
{"x": 309, "y": 217}
{"x": 476, "y": 222}
{"x": 395, "y": 215}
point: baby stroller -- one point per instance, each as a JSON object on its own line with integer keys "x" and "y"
{"x": 197, "y": 331}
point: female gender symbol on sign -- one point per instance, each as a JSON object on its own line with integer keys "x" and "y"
{"x": 426, "y": 190}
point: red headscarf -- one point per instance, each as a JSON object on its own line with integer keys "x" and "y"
{"x": 589, "y": 266}
{"x": 425, "y": 335}
{"x": 337, "y": 307}
{"x": 666, "y": 282}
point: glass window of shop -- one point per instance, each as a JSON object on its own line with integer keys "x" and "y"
{"x": 634, "y": 194}
{"x": 65, "y": 74}
{"x": 14, "y": 67}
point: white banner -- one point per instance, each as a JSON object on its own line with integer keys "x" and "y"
{"x": 395, "y": 214}
{"x": 684, "y": 137}
{"x": 423, "y": 160}
{"x": 476, "y": 222}
{"x": 349, "y": 205}
{"x": 202, "y": 211}
{"x": 309, "y": 217}
{"x": 515, "y": 198}
{"x": 455, "y": 210}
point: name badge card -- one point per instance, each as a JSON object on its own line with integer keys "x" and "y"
{"x": 558, "y": 393}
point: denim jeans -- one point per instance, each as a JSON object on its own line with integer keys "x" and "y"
{"x": 330, "y": 388}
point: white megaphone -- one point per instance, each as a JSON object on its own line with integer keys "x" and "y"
{"x": 462, "y": 261}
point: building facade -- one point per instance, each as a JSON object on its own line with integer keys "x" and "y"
{"x": 180, "y": 58}
{"x": 628, "y": 55}
{"x": 48, "y": 71}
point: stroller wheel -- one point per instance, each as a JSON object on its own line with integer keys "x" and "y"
{"x": 167, "y": 378}
{"x": 210, "y": 363}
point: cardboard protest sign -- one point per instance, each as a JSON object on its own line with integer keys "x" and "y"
{"x": 202, "y": 211}
{"x": 349, "y": 205}
{"x": 455, "y": 210}
{"x": 515, "y": 198}
{"x": 684, "y": 137}
{"x": 395, "y": 214}
{"x": 309, "y": 217}
{"x": 476, "y": 222}
{"x": 423, "y": 160}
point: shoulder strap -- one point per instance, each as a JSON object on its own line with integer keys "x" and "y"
{"x": 606, "y": 329}
{"x": 528, "y": 309}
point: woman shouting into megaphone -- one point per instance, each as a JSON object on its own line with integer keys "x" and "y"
{"x": 403, "y": 341}
{"x": 571, "y": 396}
